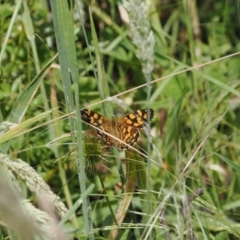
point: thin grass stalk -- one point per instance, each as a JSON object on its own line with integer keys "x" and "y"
{"x": 144, "y": 40}
{"x": 101, "y": 76}
{"x": 130, "y": 185}
{"x": 29, "y": 30}
{"x": 54, "y": 130}
{"x": 104, "y": 91}
{"x": 20, "y": 107}
{"x": 67, "y": 56}
{"x": 9, "y": 30}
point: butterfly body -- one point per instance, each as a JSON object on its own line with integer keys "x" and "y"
{"x": 118, "y": 132}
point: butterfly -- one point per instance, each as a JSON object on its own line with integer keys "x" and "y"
{"x": 118, "y": 132}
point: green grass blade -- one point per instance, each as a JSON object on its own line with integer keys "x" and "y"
{"x": 20, "y": 128}
{"x": 64, "y": 33}
{"x": 21, "y": 105}
{"x": 14, "y": 16}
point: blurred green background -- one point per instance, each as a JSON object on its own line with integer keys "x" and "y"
{"x": 194, "y": 139}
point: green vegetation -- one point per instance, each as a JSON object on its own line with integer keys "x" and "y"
{"x": 180, "y": 58}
